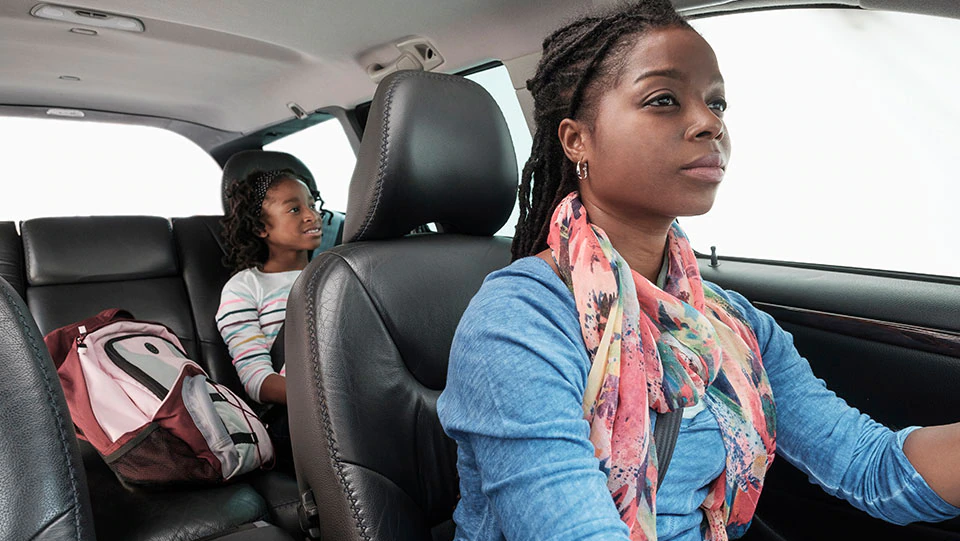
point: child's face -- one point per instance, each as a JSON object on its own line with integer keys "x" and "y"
{"x": 658, "y": 146}
{"x": 289, "y": 218}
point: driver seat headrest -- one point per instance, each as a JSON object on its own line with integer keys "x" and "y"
{"x": 436, "y": 149}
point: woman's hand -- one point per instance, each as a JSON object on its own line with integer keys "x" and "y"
{"x": 273, "y": 390}
{"x": 935, "y": 452}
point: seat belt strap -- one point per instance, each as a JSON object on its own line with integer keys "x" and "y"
{"x": 665, "y": 439}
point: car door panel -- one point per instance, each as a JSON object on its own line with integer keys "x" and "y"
{"x": 889, "y": 345}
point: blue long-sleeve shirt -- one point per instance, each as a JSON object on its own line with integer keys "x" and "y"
{"x": 518, "y": 369}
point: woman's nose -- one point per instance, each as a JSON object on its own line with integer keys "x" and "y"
{"x": 706, "y": 125}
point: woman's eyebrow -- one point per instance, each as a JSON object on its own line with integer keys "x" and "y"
{"x": 668, "y": 72}
{"x": 672, "y": 74}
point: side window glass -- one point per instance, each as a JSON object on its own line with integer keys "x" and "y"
{"x": 843, "y": 135}
{"x": 497, "y": 82}
{"x": 326, "y": 151}
{"x": 84, "y": 168}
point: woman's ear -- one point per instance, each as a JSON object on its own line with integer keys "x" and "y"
{"x": 574, "y": 139}
{"x": 261, "y": 230}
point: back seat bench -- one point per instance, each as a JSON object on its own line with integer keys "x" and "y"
{"x": 162, "y": 270}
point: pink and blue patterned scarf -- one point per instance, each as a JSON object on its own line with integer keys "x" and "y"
{"x": 659, "y": 350}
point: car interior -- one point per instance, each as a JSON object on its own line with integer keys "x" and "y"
{"x": 371, "y": 319}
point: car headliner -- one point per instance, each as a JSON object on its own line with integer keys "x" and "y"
{"x": 233, "y": 66}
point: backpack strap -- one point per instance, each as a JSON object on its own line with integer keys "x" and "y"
{"x": 665, "y": 439}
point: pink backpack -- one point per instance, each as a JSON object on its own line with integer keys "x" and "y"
{"x": 153, "y": 414}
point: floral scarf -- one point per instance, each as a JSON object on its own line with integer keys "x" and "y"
{"x": 659, "y": 350}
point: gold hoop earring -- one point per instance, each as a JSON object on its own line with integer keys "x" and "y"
{"x": 582, "y": 169}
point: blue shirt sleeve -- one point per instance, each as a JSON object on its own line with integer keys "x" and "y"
{"x": 841, "y": 449}
{"x": 518, "y": 368}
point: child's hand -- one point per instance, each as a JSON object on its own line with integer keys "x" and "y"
{"x": 273, "y": 390}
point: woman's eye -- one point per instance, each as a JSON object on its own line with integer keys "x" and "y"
{"x": 665, "y": 100}
{"x": 718, "y": 104}
{"x": 295, "y": 210}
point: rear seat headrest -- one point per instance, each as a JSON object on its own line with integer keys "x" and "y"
{"x": 436, "y": 149}
{"x": 97, "y": 249}
{"x": 245, "y": 162}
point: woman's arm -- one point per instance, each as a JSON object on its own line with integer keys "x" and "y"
{"x": 935, "y": 452}
{"x": 841, "y": 449}
{"x": 513, "y": 403}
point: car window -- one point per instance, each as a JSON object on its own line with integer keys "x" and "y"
{"x": 326, "y": 151}
{"x": 82, "y": 168}
{"x": 497, "y": 82}
{"x": 844, "y": 139}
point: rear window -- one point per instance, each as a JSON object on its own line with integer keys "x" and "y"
{"x": 496, "y": 81}
{"x": 82, "y": 168}
{"x": 326, "y": 151}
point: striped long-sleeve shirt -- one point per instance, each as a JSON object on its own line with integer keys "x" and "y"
{"x": 253, "y": 305}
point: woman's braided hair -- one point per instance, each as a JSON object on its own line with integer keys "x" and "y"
{"x": 578, "y": 60}
{"x": 243, "y": 221}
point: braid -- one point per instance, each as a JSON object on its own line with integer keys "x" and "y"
{"x": 578, "y": 59}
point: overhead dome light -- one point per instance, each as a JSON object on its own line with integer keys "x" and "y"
{"x": 66, "y": 113}
{"x": 86, "y": 17}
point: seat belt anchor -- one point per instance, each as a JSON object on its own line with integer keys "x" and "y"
{"x": 309, "y": 515}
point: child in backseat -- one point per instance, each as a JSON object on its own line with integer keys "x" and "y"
{"x": 272, "y": 226}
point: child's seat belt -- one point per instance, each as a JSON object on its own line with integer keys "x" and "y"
{"x": 665, "y": 439}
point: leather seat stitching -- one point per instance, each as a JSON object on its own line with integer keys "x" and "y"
{"x": 382, "y": 161}
{"x": 325, "y": 413}
{"x": 37, "y": 358}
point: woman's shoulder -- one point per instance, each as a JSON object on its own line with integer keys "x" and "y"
{"x": 526, "y": 284}
{"x": 523, "y": 297}
{"x": 523, "y": 320}
{"x": 732, "y": 297}
{"x": 762, "y": 324}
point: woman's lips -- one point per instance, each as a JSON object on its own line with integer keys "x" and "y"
{"x": 709, "y": 168}
{"x": 708, "y": 174}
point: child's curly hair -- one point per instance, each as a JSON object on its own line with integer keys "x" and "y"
{"x": 243, "y": 223}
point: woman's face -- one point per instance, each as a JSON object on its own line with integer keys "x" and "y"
{"x": 657, "y": 146}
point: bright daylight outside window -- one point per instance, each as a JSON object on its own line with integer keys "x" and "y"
{"x": 324, "y": 148}
{"x": 326, "y": 151}
{"x": 844, "y": 140}
{"x": 82, "y": 168}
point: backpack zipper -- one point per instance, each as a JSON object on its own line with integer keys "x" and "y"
{"x": 81, "y": 337}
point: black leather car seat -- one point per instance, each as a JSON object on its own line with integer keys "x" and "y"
{"x": 11, "y": 258}
{"x": 370, "y": 323}
{"x": 44, "y": 494}
{"x": 77, "y": 266}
